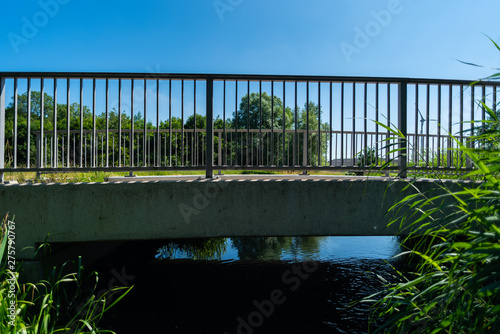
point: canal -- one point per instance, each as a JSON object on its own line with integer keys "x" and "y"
{"x": 247, "y": 285}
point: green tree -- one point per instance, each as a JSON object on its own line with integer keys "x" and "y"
{"x": 256, "y": 113}
{"x": 309, "y": 118}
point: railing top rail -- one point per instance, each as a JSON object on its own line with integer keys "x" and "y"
{"x": 243, "y": 77}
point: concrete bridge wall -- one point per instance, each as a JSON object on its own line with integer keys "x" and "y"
{"x": 138, "y": 210}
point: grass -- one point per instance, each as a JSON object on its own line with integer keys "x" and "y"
{"x": 58, "y": 304}
{"x": 71, "y": 177}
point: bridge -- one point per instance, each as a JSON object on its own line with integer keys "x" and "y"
{"x": 84, "y": 122}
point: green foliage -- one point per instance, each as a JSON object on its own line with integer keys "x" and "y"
{"x": 256, "y": 113}
{"x": 488, "y": 131}
{"x": 368, "y": 157}
{"x": 259, "y": 112}
{"x": 50, "y": 306}
{"x": 455, "y": 284}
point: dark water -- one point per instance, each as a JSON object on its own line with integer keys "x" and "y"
{"x": 256, "y": 285}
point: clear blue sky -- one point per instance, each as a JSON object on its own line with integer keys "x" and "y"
{"x": 319, "y": 37}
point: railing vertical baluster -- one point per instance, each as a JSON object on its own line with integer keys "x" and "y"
{"x": 353, "y": 139}
{"x": 81, "y": 123}
{"x": 120, "y": 124}
{"x": 191, "y": 147}
{"x": 219, "y": 149}
{"x": 210, "y": 134}
{"x": 483, "y": 100}
{"x": 470, "y": 143}
{"x": 296, "y": 137}
{"x": 158, "y": 136}
{"x": 272, "y": 124}
{"x": 260, "y": 159}
{"x": 113, "y": 150}
{"x": 365, "y": 123}
{"x": 28, "y": 127}
{"x": 402, "y": 125}
{"x": 39, "y": 153}
{"x": 56, "y": 141}
{"x": 224, "y": 122}
{"x": 2, "y": 127}
{"x": 68, "y": 123}
{"x": 170, "y": 122}
{"x": 94, "y": 146}
{"x": 145, "y": 136}
{"x": 74, "y": 149}
{"x": 85, "y": 150}
{"x": 389, "y": 143}
{"x": 62, "y": 151}
{"x": 42, "y": 113}
{"x": 182, "y": 123}
{"x": 107, "y": 122}
{"x": 251, "y": 148}
{"x": 306, "y": 142}
{"x": 248, "y": 162}
{"x": 304, "y": 148}
{"x": 102, "y": 150}
{"x": 472, "y": 118}
{"x": 319, "y": 123}
{"x": 342, "y": 123}
{"x": 236, "y": 116}
{"x": 15, "y": 119}
{"x": 439, "y": 127}
{"x": 283, "y": 139}
{"x": 461, "y": 124}
{"x": 194, "y": 149}
{"x": 427, "y": 116}
{"x": 494, "y": 98}
{"x": 416, "y": 144}
{"x": 450, "y": 130}
{"x": 131, "y": 136}
{"x": 376, "y": 120}
{"x": 336, "y": 148}
{"x": 331, "y": 126}
{"x": 231, "y": 148}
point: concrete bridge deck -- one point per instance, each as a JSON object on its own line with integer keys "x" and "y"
{"x": 141, "y": 208}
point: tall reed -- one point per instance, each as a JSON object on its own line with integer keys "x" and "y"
{"x": 52, "y": 305}
{"x": 455, "y": 285}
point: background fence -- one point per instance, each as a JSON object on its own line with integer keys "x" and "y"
{"x": 129, "y": 122}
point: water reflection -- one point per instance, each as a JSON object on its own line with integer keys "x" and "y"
{"x": 232, "y": 278}
{"x": 276, "y": 248}
{"x": 280, "y": 248}
{"x": 195, "y": 249}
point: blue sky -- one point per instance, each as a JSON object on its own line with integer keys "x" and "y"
{"x": 402, "y": 38}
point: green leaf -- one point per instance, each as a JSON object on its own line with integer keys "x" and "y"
{"x": 445, "y": 323}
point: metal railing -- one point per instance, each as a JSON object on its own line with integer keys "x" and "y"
{"x": 139, "y": 122}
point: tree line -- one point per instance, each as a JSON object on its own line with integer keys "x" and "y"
{"x": 256, "y": 111}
